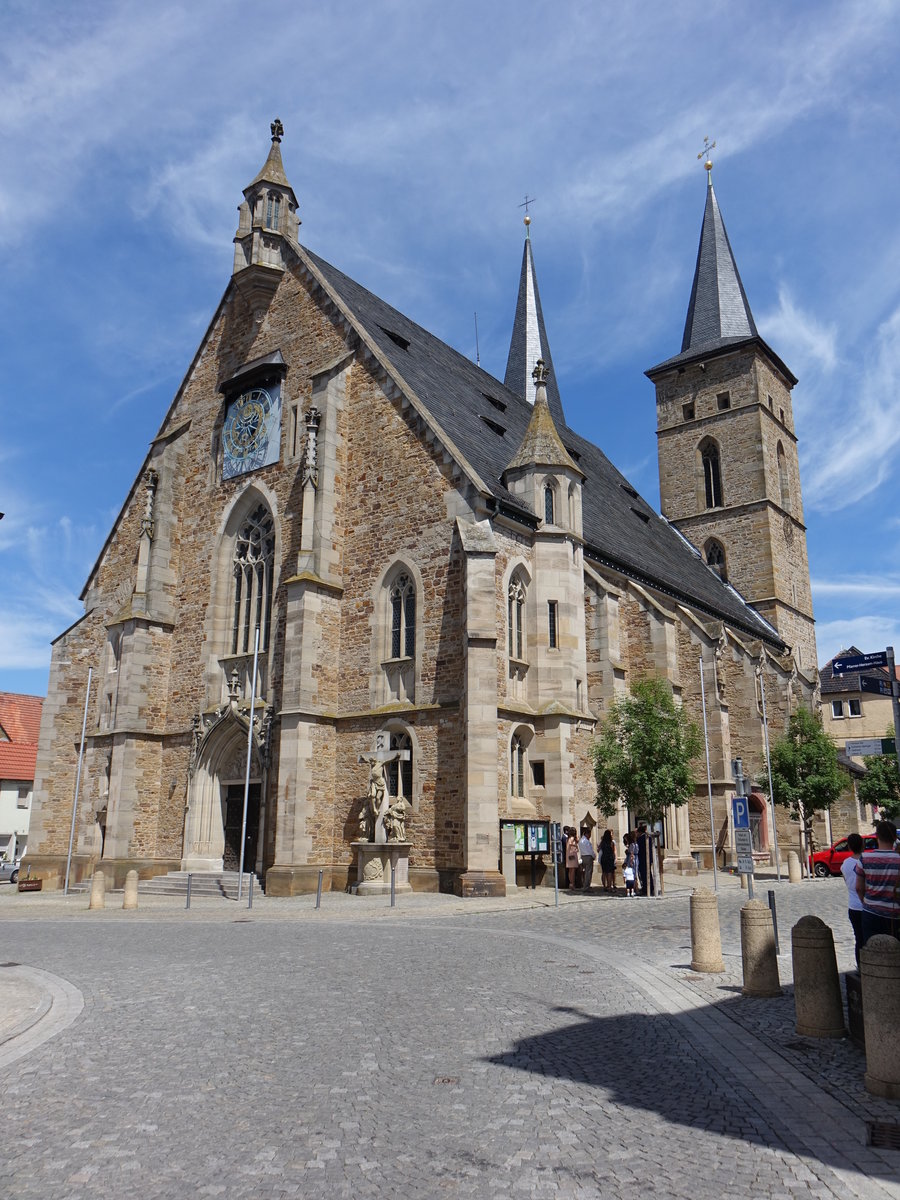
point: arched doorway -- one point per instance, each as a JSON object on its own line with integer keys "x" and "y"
{"x": 214, "y": 818}
{"x": 758, "y": 824}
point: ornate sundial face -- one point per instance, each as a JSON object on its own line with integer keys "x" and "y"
{"x": 252, "y": 431}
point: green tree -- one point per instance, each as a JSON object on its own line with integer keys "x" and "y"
{"x": 643, "y": 757}
{"x": 881, "y": 783}
{"x": 806, "y": 777}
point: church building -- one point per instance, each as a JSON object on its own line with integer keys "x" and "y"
{"x": 348, "y": 540}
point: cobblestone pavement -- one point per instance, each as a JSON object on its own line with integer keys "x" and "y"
{"x": 440, "y": 1049}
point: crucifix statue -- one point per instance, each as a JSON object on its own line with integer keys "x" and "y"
{"x": 382, "y": 820}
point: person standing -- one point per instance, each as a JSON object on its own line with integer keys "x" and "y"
{"x": 878, "y": 884}
{"x": 586, "y": 850}
{"x": 608, "y": 862}
{"x": 571, "y": 857}
{"x": 645, "y": 861}
{"x": 854, "y": 904}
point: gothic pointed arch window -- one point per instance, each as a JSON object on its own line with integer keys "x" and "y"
{"x": 549, "y": 505}
{"x": 784, "y": 479}
{"x": 403, "y": 617}
{"x": 712, "y": 473}
{"x": 399, "y": 772}
{"x": 253, "y": 567}
{"x": 515, "y": 618}
{"x": 517, "y": 767}
{"x": 715, "y": 558}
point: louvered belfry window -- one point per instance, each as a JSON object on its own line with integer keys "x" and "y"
{"x": 254, "y": 573}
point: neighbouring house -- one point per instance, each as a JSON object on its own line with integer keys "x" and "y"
{"x": 20, "y": 723}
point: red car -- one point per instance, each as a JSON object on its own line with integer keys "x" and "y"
{"x": 828, "y": 862}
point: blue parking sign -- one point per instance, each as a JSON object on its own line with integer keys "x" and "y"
{"x": 740, "y": 812}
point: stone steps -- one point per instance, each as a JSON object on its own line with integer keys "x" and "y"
{"x": 221, "y": 885}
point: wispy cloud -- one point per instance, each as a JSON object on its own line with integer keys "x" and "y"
{"x": 869, "y": 633}
{"x": 861, "y": 586}
{"x": 813, "y": 344}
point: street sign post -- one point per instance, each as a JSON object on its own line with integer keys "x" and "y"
{"x": 859, "y": 662}
{"x": 740, "y": 813}
{"x": 743, "y": 839}
{"x": 879, "y": 687}
{"x": 863, "y": 747}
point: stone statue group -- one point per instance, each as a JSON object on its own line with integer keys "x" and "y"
{"x": 381, "y": 821}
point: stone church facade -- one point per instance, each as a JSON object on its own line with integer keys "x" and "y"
{"x": 435, "y": 565}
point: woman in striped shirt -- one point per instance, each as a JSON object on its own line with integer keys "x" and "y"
{"x": 878, "y": 885}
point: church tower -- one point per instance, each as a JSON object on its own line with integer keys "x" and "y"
{"x": 729, "y": 474}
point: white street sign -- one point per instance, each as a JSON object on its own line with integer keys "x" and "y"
{"x": 860, "y": 747}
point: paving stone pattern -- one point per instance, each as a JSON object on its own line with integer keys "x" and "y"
{"x": 436, "y": 1050}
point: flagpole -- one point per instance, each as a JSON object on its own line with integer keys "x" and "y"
{"x": 712, "y": 823}
{"x": 87, "y": 696}
{"x": 249, "y": 757}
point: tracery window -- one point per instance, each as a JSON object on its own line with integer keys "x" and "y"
{"x": 715, "y": 558}
{"x": 516, "y": 618}
{"x": 403, "y": 617}
{"x": 712, "y": 474}
{"x": 273, "y": 207}
{"x": 399, "y": 772}
{"x": 254, "y": 574}
{"x": 548, "y": 505}
{"x": 517, "y": 767}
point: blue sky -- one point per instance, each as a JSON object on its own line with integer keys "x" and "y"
{"x": 413, "y": 130}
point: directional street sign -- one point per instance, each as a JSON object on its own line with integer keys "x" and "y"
{"x": 859, "y": 662}
{"x": 880, "y": 687}
{"x": 862, "y": 747}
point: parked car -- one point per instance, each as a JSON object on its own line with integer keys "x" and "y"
{"x": 828, "y": 862}
{"x": 9, "y": 870}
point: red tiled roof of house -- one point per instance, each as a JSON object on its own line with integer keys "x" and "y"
{"x": 20, "y": 721}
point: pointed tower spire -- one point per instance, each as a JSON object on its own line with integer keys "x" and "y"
{"x": 718, "y": 312}
{"x": 268, "y": 218}
{"x": 529, "y": 338}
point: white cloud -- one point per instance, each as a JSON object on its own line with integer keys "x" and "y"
{"x": 813, "y": 345}
{"x": 860, "y": 587}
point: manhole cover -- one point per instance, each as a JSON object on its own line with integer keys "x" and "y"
{"x": 883, "y": 1134}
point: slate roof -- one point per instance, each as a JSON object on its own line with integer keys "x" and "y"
{"x": 529, "y": 341}
{"x": 833, "y": 684}
{"x": 20, "y": 721}
{"x": 718, "y": 317}
{"x": 487, "y": 422}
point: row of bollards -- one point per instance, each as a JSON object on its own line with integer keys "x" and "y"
{"x": 98, "y": 890}
{"x": 817, "y": 989}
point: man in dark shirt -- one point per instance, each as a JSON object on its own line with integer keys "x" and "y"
{"x": 878, "y": 884}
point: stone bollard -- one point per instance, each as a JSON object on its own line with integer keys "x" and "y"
{"x": 758, "y": 958}
{"x": 794, "y": 874}
{"x": 706, "y": 941}
{"x": 817, "y": 986}
{"x": 879, "y": 967}
{"x": 98, "y": 891}
{"x": 131, "y": 890}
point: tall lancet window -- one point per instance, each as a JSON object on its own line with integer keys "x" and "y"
{"x": 516, "y": 618}
{"x": 254, "y": 575}
{"x": 273, "y": 208}
{"x": 712, "y": 474}
{"x": 403, "y": 618}
{"x": 548, "y": 505}
{"x": 784, "y": 481}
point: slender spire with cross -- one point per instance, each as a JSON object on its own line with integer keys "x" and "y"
{"x": 708, "y": 146}
{"x": 527, "y": 219}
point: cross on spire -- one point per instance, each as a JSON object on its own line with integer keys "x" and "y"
{"x": 708, "y": 146}
{"x": 277, "y": 130}
{"x": 527, "y": 219}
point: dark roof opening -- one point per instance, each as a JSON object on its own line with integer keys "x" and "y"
{"x": 573, "y": 454}
{"x": 645, "y": 517}
{"x": 626, "y": 487}
{"x": 396, "y": 338}
{"x": 493, "y": 425}
{"x": 498, "y": 404}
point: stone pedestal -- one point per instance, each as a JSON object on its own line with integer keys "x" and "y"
{"x": 879, "y": 967}
{"x": 706, "y": 940}
{"x": 817, "y": 987}
{"x": 758, "y": 957}
{"x": 98, "y": 891}
{"x": 130, "y": 899}
{"x": 508, "y": 857}
{"x": 374, "y": 861}
{"x": 794, "y": 873}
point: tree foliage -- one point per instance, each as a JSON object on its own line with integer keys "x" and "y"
{"x": 806, "y": 777}
{"x": 643, "y": 757}
{"x": 881, "y": 783}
